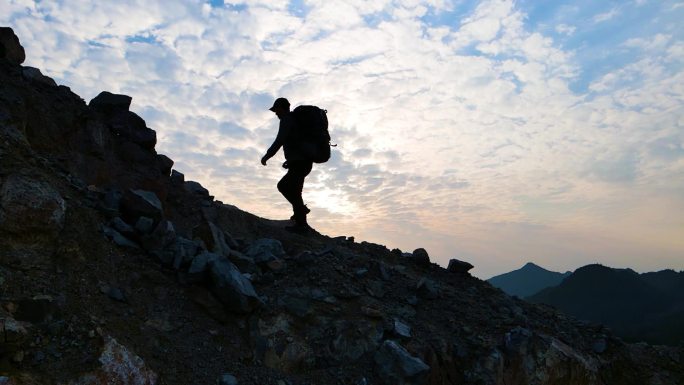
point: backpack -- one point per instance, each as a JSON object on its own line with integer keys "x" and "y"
{"x": 312, "y": 133}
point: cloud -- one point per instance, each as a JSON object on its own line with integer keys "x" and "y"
{"x": 603, "y": 17}
{"x": 445, "y": 114}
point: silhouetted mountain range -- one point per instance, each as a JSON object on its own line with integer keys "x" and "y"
{"x": 639, "y": 307}
{"x": 527, "y": 280}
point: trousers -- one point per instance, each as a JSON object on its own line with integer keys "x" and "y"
{"x": 292, "y": 183}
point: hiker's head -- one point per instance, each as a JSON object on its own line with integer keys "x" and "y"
{"x": 281, "y": 107}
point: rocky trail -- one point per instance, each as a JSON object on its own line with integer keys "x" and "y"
{"x": 114, "y": 269}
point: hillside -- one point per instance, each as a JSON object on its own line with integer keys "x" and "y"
{"x": 640, "y": 307}
{"x": 114, "y": 269}
{"x": 527, "y": 280}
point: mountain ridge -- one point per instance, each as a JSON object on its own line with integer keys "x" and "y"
{"x": 527, "y": 280}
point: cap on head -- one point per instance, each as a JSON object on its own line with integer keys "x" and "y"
{"x": 280, "y": 103}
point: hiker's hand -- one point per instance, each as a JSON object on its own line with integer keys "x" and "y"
{"x": 263, "y": 160}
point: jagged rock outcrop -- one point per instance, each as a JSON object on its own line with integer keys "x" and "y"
{"x": 132, "y": 269}
{"x": 10, "y": 48}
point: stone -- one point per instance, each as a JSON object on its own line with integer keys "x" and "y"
{"x": 195, "y": 188}
{"x": 30, "y": 206}
{"x": 10, "y": 47}
{"x": 427, "y": 288}
{"x": 144, "y": 225}
{"x": 420, "y": 257}
{"x": 456, "y": 266}
{"x": 160, "y": 243}
{"x": 232, "y": 288}
{"x": 140, "y": 203}
{"x": 395, "y": 365}
{"x": 164, "y": 163}
{"x": 264, "y": 250}
{"x": 243, "y": 262}
{"x": 118, "y": 365}
{"x": 118, "y": 238}
{"x": 401, "y": 329}
{"x": 34, "y": 75}
{"x": 354, "y": 339}
{"x": 227, "y": 379}
{"x": 213, "y": 237}
{"x": 198, "y": 270}
{"x": 599, "y": 346}
{"x": 177, "y": 178}
{"x": 109, "y": 102}
{"x": 122, "y": 227}
{"x": 131, "y": 127}
{"x": 185, "y": 252}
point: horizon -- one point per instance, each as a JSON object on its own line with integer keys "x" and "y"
{"x": 494, "y": 132}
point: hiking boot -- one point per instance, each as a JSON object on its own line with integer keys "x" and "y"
{"x": 305, "y": 211}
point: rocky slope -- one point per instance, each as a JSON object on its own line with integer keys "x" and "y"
{"x": 115, "y": 270}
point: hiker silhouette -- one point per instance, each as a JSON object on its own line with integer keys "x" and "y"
{"x": 297, "y": 163}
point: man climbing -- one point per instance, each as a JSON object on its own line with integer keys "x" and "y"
{"x": 298, "y": 165}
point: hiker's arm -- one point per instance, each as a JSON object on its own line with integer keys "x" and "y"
{"x": 283, "y": 132}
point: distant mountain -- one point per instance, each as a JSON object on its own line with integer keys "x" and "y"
{"x": 527, "y": 280}
{"x": 639, "y": 307}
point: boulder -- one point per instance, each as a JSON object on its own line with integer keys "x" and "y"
{"x": 200, "y": 266}
{"x": 396, "y": 366}
{"x": 185, "y": 252}
{"x": 34, "y": 75}
{"x": 164, "y": 163}
{"x": 140, "y": 203}
{"x": 131, "y": 127}
{"x": 118, "y": 365}
{"x": 160, "y": 243}
{"x": 109, "y": 103}
{"x": 264, "y": 250}
{"x": 420, "y": 257}
{"x": 456, "y": 266}
{"x": 213, "y": 237}
{"x": 195, "y": 188}
{"x": 10, "y": 48}
{"x": 30, "y": 206}
{"x": 227, "y": 379}
{"x": 231, "y": 287}
{"x": 177, "y": 178}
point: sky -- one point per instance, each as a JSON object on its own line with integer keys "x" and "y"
{"x": 495, "y": 132}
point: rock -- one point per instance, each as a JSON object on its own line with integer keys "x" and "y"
{"x": 118, "y": 238}
{"x": 264, "y": 250}
{"x": 401, "y": 329}
{"x": 118, "y": 365}
{"x": 354, "y": 339}
{"x": 227, "y": 379}
{"x": 427, "y": 288}
{"x": 243, "y": 262}
{"x": 231, "y": 287}
{"x": 177, "y": 178}
{"x": 185, "y": 252}
{"x": 213, "y": 237}
{"x": 29, "y": 206}
{"x": 599, "y": 346}
{"x": 456, "y": 266}
{"x": 396, "y": 366}
{"x": 12, "y": 330}
{"x": 10, "y": 48}
{"x": 144, "y": 225}
{"x": 420, "y": 257}
{"x": 195, "y": 188}
{"x": 140, "y": 203}
{"x": 131, "y": 127}
{"x": 122, "y": 227}
{"x": 34, "y": 74}
{"x": 110, "y": 103}
{"x": 160, "y": 243}
{"x": 164, "y": 163}
{"x": 112, "y": 200}
{"x": 199, "y": 267}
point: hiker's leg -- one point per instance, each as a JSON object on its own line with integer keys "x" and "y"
{"x": 291, "y": 186}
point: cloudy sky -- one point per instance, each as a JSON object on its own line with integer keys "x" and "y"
{"x": 497, "y": 132}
